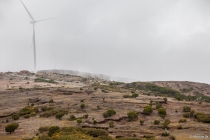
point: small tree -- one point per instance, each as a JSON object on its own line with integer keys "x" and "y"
{"x": 141, "y": 122}
{"x": 186, "y": 109}
{"x": 147, "y": 110}
{"x": 166, "y": 123}
{"x": 111, "y": 124}
{"x": 82, "y": 106}
{"x": 165, "y": 100}
{"x": 162, "y": 111}
{"x": 110, "y": 112}
{"x": 15, "y": 116}
{"x": 53, "y": 130}
{"x": 11, "y": 127}
{"x": 59, "y": 115}
{"x": 156, "y": 122}
{"x": 132, "y": 116}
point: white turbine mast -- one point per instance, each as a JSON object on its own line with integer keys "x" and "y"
{"x": 34, "y": 42}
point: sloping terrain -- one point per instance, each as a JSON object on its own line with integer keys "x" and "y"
{"x": 38, "y": 99}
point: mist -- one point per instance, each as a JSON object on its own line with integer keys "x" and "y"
{"x": 141, "y": 40}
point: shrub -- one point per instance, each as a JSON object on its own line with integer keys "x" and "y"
{"x": 53, "y": 130}
{"x": 186, "y": 109}
{"x": 15, "y": 116}
{"x": 79, "y": 121}
{"x": 158, "y": 106}
{"x": 182, "y": 120}
{"x": 85, "y": 116}
{"x": 172, "y": 137}
{"x": 147, "y": 110}
{"x": 165, "y": 134}
{"x": 110, "y": 112}
{"x": 53, "y": 112}
{"x": 179, "y": 127}
{"x": 11, "y": 127}
{"x": 111, "y": 124}
{"x": 126, "y": 96}
{"x": 165, "y": 100}
{"x": 203, "y": 117}
{"x": 165, "y": 124}
{"x": 44, "y": 108}
{"x": 43, "y": 129}
{"x": 156, "y": 122}
{"x": 28, "y": 110}
{"x": 96, "y": 132}
{"x": 134, "y": 95}
{"x": 162, "y": 111}
{"x": 187, "y": 114}
{"x": 82, "y": 106}
{"x": 132, "y": 116}
{"x": 59, "y": 115}
{"x": 51, "y": 101}
{"x": 72, "y": 118}
{"x": 141, "y": 122}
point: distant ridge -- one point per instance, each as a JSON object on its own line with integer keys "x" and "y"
{"x": 90, "y": 75}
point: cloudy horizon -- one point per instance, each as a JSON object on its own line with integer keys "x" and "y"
{"x": 162, "y": 40}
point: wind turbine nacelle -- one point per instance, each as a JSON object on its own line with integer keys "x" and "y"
{"x": 32, "y": 22}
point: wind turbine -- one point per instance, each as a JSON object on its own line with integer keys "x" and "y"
{"x": 33, "y": 38}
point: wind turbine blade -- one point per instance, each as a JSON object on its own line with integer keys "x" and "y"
{"x": 27, "y": 11}
{"x": 45, "y": 19}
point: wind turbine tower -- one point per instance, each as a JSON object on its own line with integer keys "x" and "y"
{"x": 33, "y": 38}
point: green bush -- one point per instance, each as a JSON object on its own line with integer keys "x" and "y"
{"x": 96, "y": 132}
{"x": 141, "y": 122}
{"x": 82, "y": 106}
{"x": 132, "y": 116}
{"x": 85, "y": 116}
{"x": 59, "y": 115}
{"x": 15, "y": 116}
{"x": 44, "y": 108}
{"x": 202, "y": 117}
{"x": 44, "y": 129}
{"x": 158, "y": 105}
{"x": 79, "y": 121}
{"x": 53, "y": 112}
{"x": 72, "y": 118}
{"x": 165, "y": 134}
{"x": 187, "y": 114}
{"x": 186, "y": 109}
{"x": 111, "y": 124}
{"x": 162, "y": 111}
{"x": 165, "y": 100}
{"x": 51, "y": 101}
{"x": 28, "y": 110}
{"x": 156, "y": 122}
{"x": 166, "y": 123}
{"x": 53, "y": 130}
{"x": 182, "y": 120}
{"x": 110, "y": 112}
{"x": 172, "y": 137}
{"x": 134, "y": 95}
{"x": 179, "y": 127}
{"x": 11, "y": 127}
{"x": 147, "y": 110}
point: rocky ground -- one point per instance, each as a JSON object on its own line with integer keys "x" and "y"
{"x": 18, "y": 90}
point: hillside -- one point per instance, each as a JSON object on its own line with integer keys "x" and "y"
{"x": 97, "y": 109}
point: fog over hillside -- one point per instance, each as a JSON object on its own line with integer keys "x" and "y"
{"x": 92, "y": 75}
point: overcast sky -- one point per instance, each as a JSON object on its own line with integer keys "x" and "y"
{"x": 145, "y": 40}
